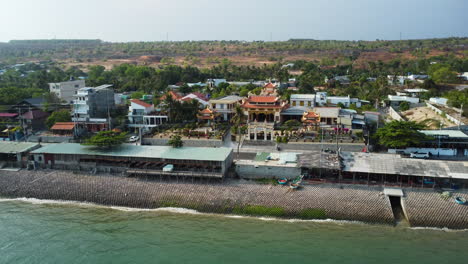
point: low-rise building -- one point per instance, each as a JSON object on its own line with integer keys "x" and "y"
{"x": 66, "y": 90}
{"x": 439, "y": 100}
{"x": 133, "y": 159}
{"x": 142, "y": 115}
{"x": 305, "y": 100}
{"x": 396, "y": 100}
{"x": 225, "y": 106}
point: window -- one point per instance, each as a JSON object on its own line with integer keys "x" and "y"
{"x": 309, "y": 103}
{"x": 294, "y": 103}
{"x": 301, "y": 103}
{"x": 76, "y": 86}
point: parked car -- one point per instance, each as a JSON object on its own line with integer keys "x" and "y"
{"x": 133, "y": 138}
{"x": 420, "y": 155}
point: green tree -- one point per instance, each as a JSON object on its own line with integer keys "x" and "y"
{"x": 137, "y": 95}
{"x": 58, "y": 116}
{"x": 400, "y": 134}
{"x": 176, "y": 141}
{"x": 404, "y": 106}
{"x": 107, "y": 139}
{"x": 444, "y": 75}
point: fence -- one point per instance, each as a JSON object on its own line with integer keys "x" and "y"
{"x": 440, "y": 112}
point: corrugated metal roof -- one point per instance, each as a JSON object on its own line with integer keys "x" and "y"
{"x": 162, "y": 152}
{"x": 302, "y": 96}
{"x": 16, "y": 147}
{"x": 447, "y": 133}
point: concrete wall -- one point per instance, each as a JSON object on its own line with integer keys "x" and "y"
{"x": 449, "y": 117}
{"x": 187, "y": 142}
{"x": 45, "y": 139}
{"x": 394, "y": 114}
{"x": 250, "y": 171}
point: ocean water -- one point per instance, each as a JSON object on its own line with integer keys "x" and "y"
{"x": 33, "y": 231}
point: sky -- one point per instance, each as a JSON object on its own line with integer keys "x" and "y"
{"x": 175, "y": 20}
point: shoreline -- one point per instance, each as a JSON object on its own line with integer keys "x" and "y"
{"x": 340, "y": 203}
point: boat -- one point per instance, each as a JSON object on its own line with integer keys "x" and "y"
{"x": 282, "y": 181}
{"x": 294, "y": 186}
{"x": 460, "y": 200}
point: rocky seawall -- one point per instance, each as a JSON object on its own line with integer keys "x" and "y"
{"x": 346, "y": 202}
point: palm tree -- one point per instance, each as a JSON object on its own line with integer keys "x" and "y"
{"x": 237, "y": 119}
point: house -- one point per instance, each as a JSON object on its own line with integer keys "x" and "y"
{"x": 28, "y": 105}
{"x": 9, "y": 119}
{"x": 416, "y": 92}
{"x": 438, "y": 100}
{"x": 175, "y": 96}
{"x": 306, "y": 100}
{"x": 215, "y": 82}
{"x": 33, "y": 121}
{"x": 92, "y": 107}
{"x": 328, "y": 115}
{"x": 225, "y": 106}
{"x": 141, "y": 115}
{"x": 66, "y": 90}
{"x": 201, "y": 98}
{"x": 293, "y": 113}
{"x": 343, "y": 80}
{"x": 396, "y": 100}
{"x": 64, "y": 128}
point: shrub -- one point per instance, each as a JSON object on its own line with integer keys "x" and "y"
{"x": 313, "y": 213}
{"x": 258, "y": 210}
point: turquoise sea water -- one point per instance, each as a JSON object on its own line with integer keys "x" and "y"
{"x": 35, "y": 232}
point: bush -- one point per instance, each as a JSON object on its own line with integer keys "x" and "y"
{"x": 313, "y": 213}
{"x": 258, "y": 210}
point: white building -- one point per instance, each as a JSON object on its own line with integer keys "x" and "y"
{"x": 225, "y": 106}
{"x": 66, "y": 90}
{"x": 439, "y": 100}
{"x": 416, "y": 92}
{"x": 201, "y": 98}
{"x": 141, "y": 115}
{"x": 92, "y": 102}
{"x": 306, "y": 100}
{"x": 396, "y": 99}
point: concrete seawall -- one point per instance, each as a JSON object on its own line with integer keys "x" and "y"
{"x": 356, "y": 203}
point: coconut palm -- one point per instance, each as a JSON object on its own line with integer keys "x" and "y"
{"x": 237, "y": 120}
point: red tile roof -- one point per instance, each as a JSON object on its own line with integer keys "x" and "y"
{"x": 63, "y": 126}
{"x": 206, "y": 111}
{"x": 269, "y": 85}
{"x": 263, "y": 99}
{"x": 139, "y": 102}
{"x": 173, "y": 94}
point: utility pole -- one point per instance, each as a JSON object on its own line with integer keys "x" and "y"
{"x": 459, "y": 120}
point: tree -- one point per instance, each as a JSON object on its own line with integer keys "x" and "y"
{"x": 444, "y": 75}
{"x": 237, "y": 119}
{"x": 58, "y": 116}
{"x": 107, "y": 139}
{"x": 404, "y": 106}
{"x": 137, "y": 95}
{"x": 176, "y": 141}
{"x": 400, "y": 134}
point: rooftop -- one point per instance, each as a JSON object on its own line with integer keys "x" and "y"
{"x": 263, "y": 99}
{"x": 16, "y": 147}
{"x": 445, "y": 133}
{"x": 295, "y": 110}
{"x": 327, "y": 111}
{"x": 155, "y": 152}
{"x": 226, "y": 99}
{"x": 396, "y": 165}
{"x": 139, "y": 102}
{"x": 63, "y": 126}
{"x": 302, "y": 96}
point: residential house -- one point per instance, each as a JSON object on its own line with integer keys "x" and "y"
{"x": 305, "y": 100}
{"x": 33, "y": 121}
{"x": 142, "y": 115}
{"x": 225, "y": 106}
{"x": 416, "y": 92}
{"x": 66, "y": 90}
{"x": 92, "y": 107}
{"x": 201, "y": 98}
{"x": 215, "y": 82}
{"x": 396, "y": 100}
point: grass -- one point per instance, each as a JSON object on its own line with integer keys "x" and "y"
{"x": 258, "y": 210}
{"x": 313, "y": 213}
{"x": 267, "y": 181}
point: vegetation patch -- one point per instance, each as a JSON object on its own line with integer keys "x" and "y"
{"x": 258, "y": 210}
{"x": 313, "y": 213}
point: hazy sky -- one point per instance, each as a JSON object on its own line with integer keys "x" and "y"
{"x": 147, "y": 20}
